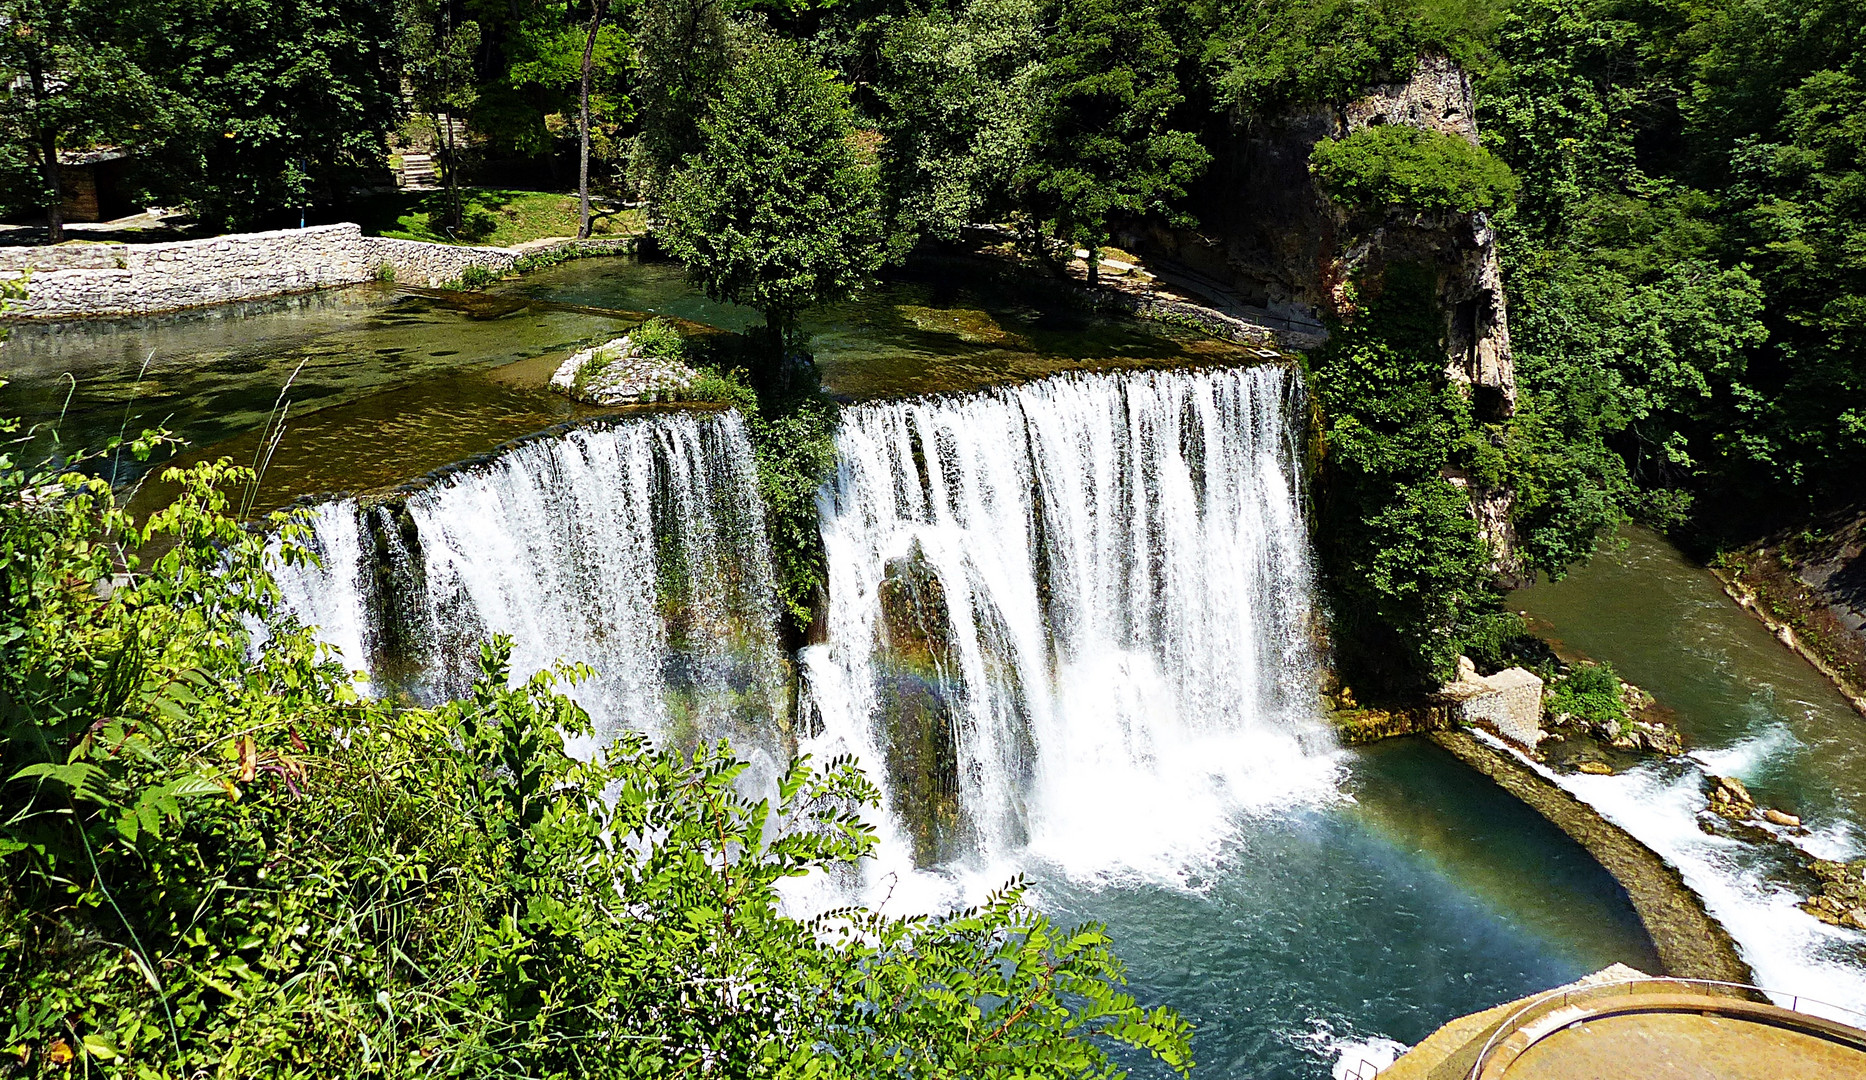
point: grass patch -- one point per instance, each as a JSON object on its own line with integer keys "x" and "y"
{"x": 1591, "y": 694}
{"x": 498, "y": 217}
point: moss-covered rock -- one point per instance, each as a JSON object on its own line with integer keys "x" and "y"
{"x": 918, "y": 685}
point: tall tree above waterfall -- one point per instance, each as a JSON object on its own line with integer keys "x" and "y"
{"x": 960, "y": 92}
{"x": 779, "y": 210}
{"x": 1105, "y": 144}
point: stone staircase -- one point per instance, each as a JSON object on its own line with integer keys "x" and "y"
{"x": 418, "y": 171}
{"x": 421, "y": 168}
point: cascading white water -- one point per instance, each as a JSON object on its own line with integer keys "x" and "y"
{"x": 637, "y": 548}
{"x": 1096, "y": 591}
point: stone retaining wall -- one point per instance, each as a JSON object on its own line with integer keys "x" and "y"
{"x": 419, "y": 263}
{"x": 82, "y": 280}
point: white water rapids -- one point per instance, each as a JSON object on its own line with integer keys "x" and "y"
{"x": 637, "y": 548}
{"x": 1124, "y": 655}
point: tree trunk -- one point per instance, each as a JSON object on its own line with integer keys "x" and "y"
{"x": 54, "y": 210}
{"x": 583, "y": 123}
{"x": 48, "y": 149}
{"x": 1094, "y": 266}
{"x": 453, "y": 178}
{"x": 777, "y": 326}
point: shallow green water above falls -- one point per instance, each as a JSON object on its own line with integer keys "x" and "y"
{"x": 388, "y": 383}
{"x": 216, "y": 374}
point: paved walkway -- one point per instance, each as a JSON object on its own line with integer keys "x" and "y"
{"x": 1618, "y": 1023}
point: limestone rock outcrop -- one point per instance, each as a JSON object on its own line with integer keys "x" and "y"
{"x": 617, "y": 372}
{"x": 1841, "y": 900}
{"x": 1508, "y": 702}
{"x": 1269, "y": 235}
{"x": 1730, "y": 798}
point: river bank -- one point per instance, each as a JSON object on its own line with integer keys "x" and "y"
{"x": 1746, "y": 708}
{"x": 1810, "y": 591}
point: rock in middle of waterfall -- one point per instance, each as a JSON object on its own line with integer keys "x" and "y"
{"x": 642, "y": 366}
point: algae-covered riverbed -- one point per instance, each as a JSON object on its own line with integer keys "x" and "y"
{"x": 381, "y": 384}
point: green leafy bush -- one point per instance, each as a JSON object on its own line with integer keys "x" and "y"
{"x": 659, "y": 337}
{"x": 476, "y": 277}
{"x": 793, "y": 436}
{"x": 217, "y": 860}
{"x": 1395, "y": 165}
{"x": 1590, "y": 693}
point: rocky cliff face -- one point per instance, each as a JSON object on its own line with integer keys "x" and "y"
{"x": 1270, "y": 235}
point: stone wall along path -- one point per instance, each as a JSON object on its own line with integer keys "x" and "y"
{"x": 68, "y": 281}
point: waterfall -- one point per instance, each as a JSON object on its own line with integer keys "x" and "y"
{"x": 637, "y": 548}
{"x": 1072, "y": 618}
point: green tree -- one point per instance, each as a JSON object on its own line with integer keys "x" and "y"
{"x": 684, "y": 52}
{"x": 779, "y": 209}
{"x": 534, "y": 95}
{"x": 960, "y": 92}
{"x": 279, "y": 104}
{"x": 1263, "y": 57}
{"x": 584, "y": 73}
{"x": 73, "y": 83}
{"x": 1105, "y": 143}
{"x": 1398, "y": 542}
{"x": 437, "y": 60}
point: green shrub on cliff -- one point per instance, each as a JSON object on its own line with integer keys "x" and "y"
{"x": 1399, "y": 545}
{"x": 792, "y": 429}
{"x": 1395, "y": 165}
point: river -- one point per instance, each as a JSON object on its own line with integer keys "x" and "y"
{"x": 1748, "y": 707}
{"x": 1299, "y": 902}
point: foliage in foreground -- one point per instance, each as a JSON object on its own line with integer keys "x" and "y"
{"x": 219, "y": 861}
